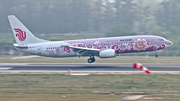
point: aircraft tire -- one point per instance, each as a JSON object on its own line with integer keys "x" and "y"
{"x": 93, "y": 59}
{"x": 156, "y": 55}
{"x": 89, "y": 60}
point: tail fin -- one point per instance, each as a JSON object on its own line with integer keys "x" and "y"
{"x": 22, "y": 35}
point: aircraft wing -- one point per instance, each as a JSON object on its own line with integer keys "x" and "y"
{"x": 84, "y": 51}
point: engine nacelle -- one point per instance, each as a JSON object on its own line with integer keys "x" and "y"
{"x": 108, "y": 53}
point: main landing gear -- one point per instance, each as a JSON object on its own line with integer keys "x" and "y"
{"x": 91, "y": 59}
{"x": 156, "y": 55}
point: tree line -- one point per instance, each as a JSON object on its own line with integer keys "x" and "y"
{"x": 112, "y": 17}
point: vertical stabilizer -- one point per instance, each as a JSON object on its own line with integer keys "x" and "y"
{"x": 22, "y": 35}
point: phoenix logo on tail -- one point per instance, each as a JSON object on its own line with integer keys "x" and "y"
{"x": 20, "y": 34}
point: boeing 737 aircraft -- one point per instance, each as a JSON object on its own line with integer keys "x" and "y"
{"x": 100, "y": 47}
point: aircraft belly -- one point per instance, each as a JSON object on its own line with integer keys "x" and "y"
{"x": 67, "y": 54}
{"x": 57, "y": 54}
{"x": 33, "y": 52}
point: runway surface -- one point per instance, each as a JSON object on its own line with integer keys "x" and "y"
{"x": 85, "y": 67}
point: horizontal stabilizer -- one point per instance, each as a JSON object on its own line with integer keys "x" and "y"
{"x": 20, "y": 46}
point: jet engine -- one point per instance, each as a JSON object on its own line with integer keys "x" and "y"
{"x": 108, "y": 53}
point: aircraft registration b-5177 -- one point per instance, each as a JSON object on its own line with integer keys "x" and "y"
{"x": 100, "y": 47}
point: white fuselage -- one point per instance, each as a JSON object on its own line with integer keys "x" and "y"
{"x": 42, "y": 48}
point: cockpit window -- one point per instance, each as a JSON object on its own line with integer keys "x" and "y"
{"x": 161, "y": 39}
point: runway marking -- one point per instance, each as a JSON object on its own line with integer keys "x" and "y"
{"x": 133, "y": 97}
{"x": 13, "y": 64}
{"x": 25, "y": 57}
{"x": 5, "y": 68}
{"x": 79, "y": 74}
{"x": 85, "y": 72}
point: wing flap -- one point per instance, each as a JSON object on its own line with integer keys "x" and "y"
{"x": 82, "y": 48}
{"x": 84, "y": 51}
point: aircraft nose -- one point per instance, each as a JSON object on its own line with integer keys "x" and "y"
{"x": 170, "y": 43}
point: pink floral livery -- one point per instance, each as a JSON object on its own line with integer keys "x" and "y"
{"x": 140, "y": 44}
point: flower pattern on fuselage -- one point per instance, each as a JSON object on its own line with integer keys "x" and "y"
{"x": 140, "y": 44}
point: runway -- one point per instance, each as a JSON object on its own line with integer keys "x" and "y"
{"x": 84, "y": 67}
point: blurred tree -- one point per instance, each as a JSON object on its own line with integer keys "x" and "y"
{"x": 174, "y": 30}
{"x": 144, "y": 17}
{"x": 108, "y": 14}
{"x": 156, "y": 30}
{"x": 119, "y": 30}
{"x": 168, "y": 14}
{"x": 81, "y": 14}
{"x": 121, "y": 15}
{"x": 114, "y": 17}
{"x": 125, "y": 12}
{"x": 96, "y": 15}
{"x": 66, "y": 16}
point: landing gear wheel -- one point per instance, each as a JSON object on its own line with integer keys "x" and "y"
{"x": 93, "y": 60}
{"x": 156, "y": 55}
{"x": 89, "y": 60}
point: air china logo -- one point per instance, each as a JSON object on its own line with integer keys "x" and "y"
{"x": 20, "y": 34}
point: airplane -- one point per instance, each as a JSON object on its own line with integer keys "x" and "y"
{"x": 101, "y": 47}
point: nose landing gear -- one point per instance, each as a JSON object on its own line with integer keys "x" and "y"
{"x": 156, "y": 55}
{"x": 91, "y": 59}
